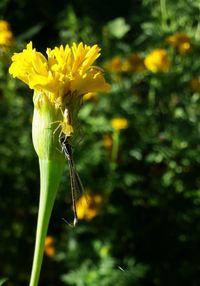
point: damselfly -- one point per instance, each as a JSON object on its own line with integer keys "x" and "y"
{"x": 75, "y": 181}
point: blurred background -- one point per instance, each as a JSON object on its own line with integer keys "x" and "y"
{"x": 137, "y": 151}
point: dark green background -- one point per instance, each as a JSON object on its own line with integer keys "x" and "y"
{"x": 150, "y": 221}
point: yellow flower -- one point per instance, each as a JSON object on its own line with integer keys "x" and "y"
{"x": 114, "y": 65}
{"x": 59, "y": 81}
{"x": 119, "y": 123}
{"x": 65, "y": 70}
{"x": 181, "y": 42}
{"x": 4, "y": 25}
{"x": 88, "y": 207}
{"x": 133, "y": 63}
{"x": 49, "y": 247}
{"x": 6, "y": 36}
{"x": 195, "y": 85}
{"x": 157, "y": 60}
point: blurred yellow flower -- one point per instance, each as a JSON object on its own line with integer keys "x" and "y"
{"x": 114, "y": 65}
{"x": 119, "y": 123}
{"x": 195, "y": 85}
{"x": 157, "y": 60}
{"x": 49, "y": 247}
{"x": 6, "y": 36}
{"x": 4, "y": 25}
{"x": 66, "y": 70}
{"x": 134, "y": 63}
{"x": 88, "y": 207}
{"x": 181, "y": 42}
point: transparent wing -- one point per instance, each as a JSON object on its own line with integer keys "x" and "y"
{"x": 77, "y": 189}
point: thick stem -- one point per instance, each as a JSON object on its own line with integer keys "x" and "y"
{"x": 50, "y": 174}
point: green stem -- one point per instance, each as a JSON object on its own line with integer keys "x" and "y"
{"x": 152, "y": 92}
{"x": 50, "y": 174}
{"x": 163, "y": 9}
{"x": 197, "y": 33}
{"x": 113, "y": 162}
{"x": 115, "y": 148}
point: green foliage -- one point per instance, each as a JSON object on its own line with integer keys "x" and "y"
{"x": 106, "y": 271}
{"x": 104, "y": 274}
{"x": 118, "y": 28}
{"x": 148, "y": 229}
{"x": 2, "y": 281}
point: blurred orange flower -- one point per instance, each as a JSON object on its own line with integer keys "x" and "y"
{"x": 114, "y": 65}
{"x": 49, "y": 248}
{"x": 134, "y": 63}
{"x": 157, "y": 60}
{"x": 107, "y": 141}
{"x": 88, "y": 207}
{"x": 181, "y": 42}
{"x": 195, "y": 85}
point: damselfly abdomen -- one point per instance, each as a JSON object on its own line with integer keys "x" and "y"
{"x": 75, "y": 181}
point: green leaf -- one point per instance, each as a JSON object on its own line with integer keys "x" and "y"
{"x": 30, "y": 32}
{"x": 118, "y": 28}
{"x": 2, "y": 281}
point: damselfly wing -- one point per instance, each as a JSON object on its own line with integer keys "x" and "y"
{"x": 75, "y": 181}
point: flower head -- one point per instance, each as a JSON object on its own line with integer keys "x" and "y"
{"x": 119, "y": 123}
{"x": 157, "y": 60}
{"x": 6, "y": 36}
{"x": 59, "y": 81}
{"x": 88, "y": 208}
{"x": 181, "y": 42}
{"x": 65, "y": 70}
